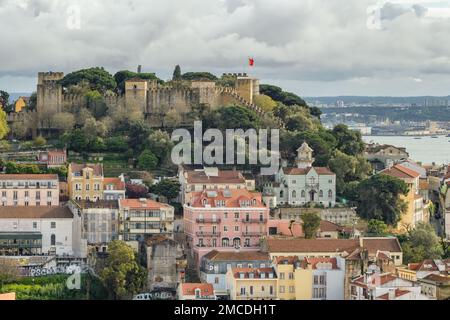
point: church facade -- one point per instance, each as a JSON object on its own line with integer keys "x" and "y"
{"x": 304, "y": 183}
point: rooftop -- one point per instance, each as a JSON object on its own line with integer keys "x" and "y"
{"x": 230, "y": 198}
{"x": 188, "y": 289}
{"x": 401, "y": 172}
{"x": 375, "y": 244}
{"x": 42, "y": 212}
{"x": 237, "y": 256}
{"x": 26, "y": 176}
{"x": 321, "y": 171}
{"x": 219, "y": 176}
{"x": 398, "y": 293}
{"x": 253, "y": 273}
{"x": 142, "y": 204}
{"x": 110, "y": 204}
{"x": 312, "y": 245}
{"x": 116, "y": 182}
{"x": 96, "y": 167}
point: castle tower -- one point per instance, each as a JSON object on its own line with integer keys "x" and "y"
{"x": 49, "y": 92}
{"x": 246, "y": 86}
{"x": 136, "y": 94}
{"x": 304, "y": 156}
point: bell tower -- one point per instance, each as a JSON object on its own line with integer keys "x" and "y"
{"x": 304, "y": 156}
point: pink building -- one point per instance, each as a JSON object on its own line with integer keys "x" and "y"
{"x": 225, "y": 220}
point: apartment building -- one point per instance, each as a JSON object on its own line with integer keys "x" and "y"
{"x": 224, "y": 220}
{"x": 252, "y": 284}
{"x": 85, "y": 181}
{"x": 142, "y": 218}
{"x": 211, "y": 178}
{"x": 114, "y": 188}
{"x": 29, "y": 189}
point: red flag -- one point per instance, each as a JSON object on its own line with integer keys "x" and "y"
{"x": 251, "y": 62}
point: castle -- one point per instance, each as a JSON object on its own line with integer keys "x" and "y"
{"x": 151, "y": 98}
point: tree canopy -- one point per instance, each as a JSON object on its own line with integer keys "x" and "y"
{"x": 310, "y": 224}
{"x": 4, "y": 129}
{"x": 121, "y": 76}
{"x": 421, "y": 243}
{"x": 176, "y": 73}
{"x": 122, "y": 275}
{"x": 198, "y": 76}
{"x": 98, "y": 79}
{"x": 379, "y": 198}
{"x": 167, "y": 188}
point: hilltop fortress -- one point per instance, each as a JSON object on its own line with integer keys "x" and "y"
{"x": 150, "y": 97}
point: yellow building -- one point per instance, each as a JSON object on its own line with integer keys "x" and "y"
{"x": 20, "y": 104}
{"x": 416, "y": 211}
{"x": 85, "y": 181}
{"x": 252, "y": 284}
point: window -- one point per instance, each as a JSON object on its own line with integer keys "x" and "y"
{"x": 225, "y": 215}
{"x": 236, "y": 215}
{"x": 321, "y": 193}
{"x": 282, "y": 275}
{"x": 251, "y": 290}
{"x": 291, "y": 289}
{"x": 291, "y": 275}
{"x": 303, "y": 194}
{"x": 38, "y": 195}
{"x": 27, "y": 193}
{"x": 242, "y": 290}
{"x": 197, "y": 293}
{"x": 225, "y": 242}
{"x": 49, "y": 194}
{"x": 53, "y": 225}
{"x": 281, "y": 289}
{"x": 49, "y": 203}
{"x": 15, "y": 195}
{"x": 236, "y": 228}
{"x": 330, "y": 194}
{"x": 216, "y": 280}
{"x": 27, "y": 203}
{"x": 225, "y": 228}
{"x": 34, "y": 225}
{"x": 88, "y": 187}
{"x": 294, "y": 194}
{"x": 52, "y": 240}
{"x": 281, "y": 194}
{"x": 316, "y": 280}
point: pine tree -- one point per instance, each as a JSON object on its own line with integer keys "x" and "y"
{"x": 177, "y": 73}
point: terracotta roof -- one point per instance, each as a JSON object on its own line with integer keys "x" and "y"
{"x": 41, "y": 212}
{"x": 303, "y": 171}
{"x": 328, "y": 226}
{"x": 257, "y": 272}
{"x": 398, "y": 293}
{"x": 224, "y": 176}
{"x": 206, "y": 289}
{"x": 118, "y": 184}
{"x": 401, "y": 172}
{"x": 26, "y": 176}
{"x": 375, "y": 279}
{"x": 232, "y": 198}
{"x": 286, "y": 260}
{"x": 236, "y": 256}
{"x": 437, "y": 278}
{"x": 312, "y": 245}
{"x": 144, "y": 204}
{"x": 315, "y": 261}
{"x": 373, "y": 245}
{"x": 430, "y": 265}
{"x": 96, "y": 167}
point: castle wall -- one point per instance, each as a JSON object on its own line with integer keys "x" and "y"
{"x": 49, "y": 92}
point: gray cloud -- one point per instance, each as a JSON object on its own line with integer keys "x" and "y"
{"x": 311, "y": 41}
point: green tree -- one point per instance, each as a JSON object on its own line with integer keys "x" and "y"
{"x": 147, "y": 160}
{"x": 177, "y": 73}
{"x": 124, "y": 75}
{"x": 98, "y": 78}
{"x": 422, "y": 243}
{"x": 121, "y": 274}
{"x": 117, "y": 143}
{"x": 264, "y": 102}
{"x": 167, "y": 188}
{"x": 138, "y": 132}
{"x": 310, "y": 224}
{"x": 232, "y": 117}
{"x": 77, "y": 141}
{"x": 3, "y": 124}
{"x": 376, "y": 228}
{"x": 4, "y": 99}
{"x": 96, "y": 104}
{"x": 198, "y": 76}
{"x": 39, "y": 141}
{"x": 379, "y": 197}
{"x": 348, "y": 141}
{"x": 160, "y": 144}
{"x": 64, "y": 121}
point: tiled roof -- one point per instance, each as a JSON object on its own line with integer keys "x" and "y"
{"x": 312, "y": 245}
{"x": 315, "y": 261}
{"x": 224, "y": 176}
{"x": 35, "y": 212}
{"x": 118, "y": 184}
{"x": 398, "y": 293}
{"x": 231, "y": 197}
{"x": 437, "y": 278}
{"x": 328, "y": 226}
{"x": 96, "y": 167}
{"x": 257, "y": 272}
{"x": 430, "y": 265}
{"x": 375, "y": 279}
{"x": 26, "y": 176}
{"x": 206, "y": 289}
{"x": 401, "y": 172}
{"x": 373, "y": 245}
{"x": 142, "y": 204}
{"x": 236, "y": 256}
{"x": 303, "y": 171}
{"x": 86, "y": 204}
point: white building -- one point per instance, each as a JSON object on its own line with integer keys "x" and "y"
{"x": 304, "y": 183}
{"x": 40, "y": 230}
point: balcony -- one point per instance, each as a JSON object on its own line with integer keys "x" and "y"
{"x": 207, "y": 234}
{"x": 254, "y": 220}
{"x": 204, "y": 221}
{"x": 252, "y": 234}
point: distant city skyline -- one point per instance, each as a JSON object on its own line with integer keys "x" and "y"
{"x": 312, "y": 48}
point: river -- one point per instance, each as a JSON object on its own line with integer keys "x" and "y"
{"x": 426, "y": 150}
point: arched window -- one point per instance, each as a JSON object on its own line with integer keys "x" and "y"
{"x": 321, "y": 193}
{"x": 330, "y": 194}
{"x": 236, "y": 242}
{"x": 303, "y": 194}
{"x": 294, "y": 194}
{"x": 52, "y": 240}
{"x": 225, "y": 242}
{"x": 281, "y": 194}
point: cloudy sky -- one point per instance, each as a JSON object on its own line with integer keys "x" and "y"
{"x": 311, "y": 47}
